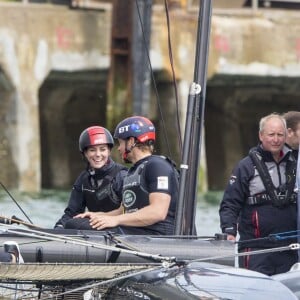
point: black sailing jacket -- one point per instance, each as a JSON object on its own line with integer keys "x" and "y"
{"x": 260, "y": 220}
{"x": 95, "y": 191}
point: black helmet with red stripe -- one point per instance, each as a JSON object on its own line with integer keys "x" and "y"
{"x": 95, "y": 135}
{"x": 138, "y": 127}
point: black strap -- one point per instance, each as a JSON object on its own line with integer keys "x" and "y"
{"x": 291, "y": 170}
{"x": 264, "y": 198}
{"x": 108, "y": 176}
{"x": 113, "y": 256}
{"x": 118, "y": 244}
{"x": 264, "y": 174}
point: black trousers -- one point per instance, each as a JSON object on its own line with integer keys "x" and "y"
{"x": 269, "y": 263}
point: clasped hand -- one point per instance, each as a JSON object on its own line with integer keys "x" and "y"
{"x": 99, "y": 220}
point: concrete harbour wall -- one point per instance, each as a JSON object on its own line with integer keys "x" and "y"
{"x": 54, "y": 63}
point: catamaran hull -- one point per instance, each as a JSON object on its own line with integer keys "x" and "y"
{"x": 38, "y": 249}
{"x": 202, "y": 281}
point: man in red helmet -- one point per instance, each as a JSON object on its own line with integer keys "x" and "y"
{"x": 150, "y": 188}
{"x": 99, "y": 186}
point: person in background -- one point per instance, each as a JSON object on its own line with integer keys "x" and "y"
{"x": 11, "y": 253}
{"x": 293, "y": 139}
{"x": 259, "y": 200}
{"x": 150, "y": 188}
{"x": 293, "y": 130}
{"x": 99, "y": 186}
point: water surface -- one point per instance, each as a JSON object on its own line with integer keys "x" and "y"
{"x": 47, "y": 207}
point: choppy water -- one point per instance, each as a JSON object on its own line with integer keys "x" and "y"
{"x": 46, "y": 208}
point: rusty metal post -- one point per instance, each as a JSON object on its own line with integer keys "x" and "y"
{"x": 120, "y": 75}
{"x": 129, "y": 76}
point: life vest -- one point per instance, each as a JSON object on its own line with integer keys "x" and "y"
{"x": 136, "y": 196}
{"x": 98, "y": 191}
{"x": 280, "y": 196}
{"x": 134, "y": 187}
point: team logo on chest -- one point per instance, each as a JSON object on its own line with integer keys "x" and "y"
{"x": 129, "y": 198}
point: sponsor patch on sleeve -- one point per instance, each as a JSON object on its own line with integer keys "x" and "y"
{"x": 232, "y": 179}
{"x": 162, "y": 182}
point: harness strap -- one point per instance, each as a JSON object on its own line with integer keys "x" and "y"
{"x": 271, "y": 192}
{"x": 107, "y": 177}
{"x": 265, "y": 198}
{"x": 291, "y": 170}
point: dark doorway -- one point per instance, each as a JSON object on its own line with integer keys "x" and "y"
{"x": 234, "y": 106}
{"x": 68, "y": 102}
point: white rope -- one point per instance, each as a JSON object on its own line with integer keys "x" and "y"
{"x": 294, "y": 246}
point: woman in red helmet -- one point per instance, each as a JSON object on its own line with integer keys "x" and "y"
{"x": 150, "y": 188}
{"x": 99, "y": 187}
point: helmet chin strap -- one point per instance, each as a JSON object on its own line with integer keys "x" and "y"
{"x": 127, "y": 151}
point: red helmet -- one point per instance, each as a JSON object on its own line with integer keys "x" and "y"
{"x": 95, "y": 135}
{"x": 139, "y": 127}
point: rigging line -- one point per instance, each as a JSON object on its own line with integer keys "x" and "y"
{"x": 285, "y": 234}
{"x": 120, "y": 243}
{"x": 274, "y": 236}
{"x": 294, "y": 246}
{"x": 185, "y": 237}
{"x": 30, "y": 243}
{"x": 14, "y": 219}
{"x": 11, "y": 197}
{"x": 109, "y": 281}
{"x": 66, "y": 239}
{"x": 173, "y": 75}
{"x": 153, "y": 80}
{"x": 10, "y": 286}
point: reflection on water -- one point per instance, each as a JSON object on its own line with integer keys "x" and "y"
{"x": 47, "y": 207}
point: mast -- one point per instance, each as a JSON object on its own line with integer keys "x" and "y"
{"x": 298, "y": 198}
{"x": 186, "y": 207}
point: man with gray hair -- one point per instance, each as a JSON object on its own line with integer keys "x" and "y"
{"x": 259, "y": 201}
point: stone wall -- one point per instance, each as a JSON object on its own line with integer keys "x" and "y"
{"x": 34, "y": 41}
{"x": 53, "y": 71}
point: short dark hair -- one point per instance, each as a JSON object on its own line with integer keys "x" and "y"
{"x": 292, "y": 119}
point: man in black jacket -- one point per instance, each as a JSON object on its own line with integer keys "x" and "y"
{"x": 260, "y": 201}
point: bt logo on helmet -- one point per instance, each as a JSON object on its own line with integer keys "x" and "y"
{"x": 123, "y": 129}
